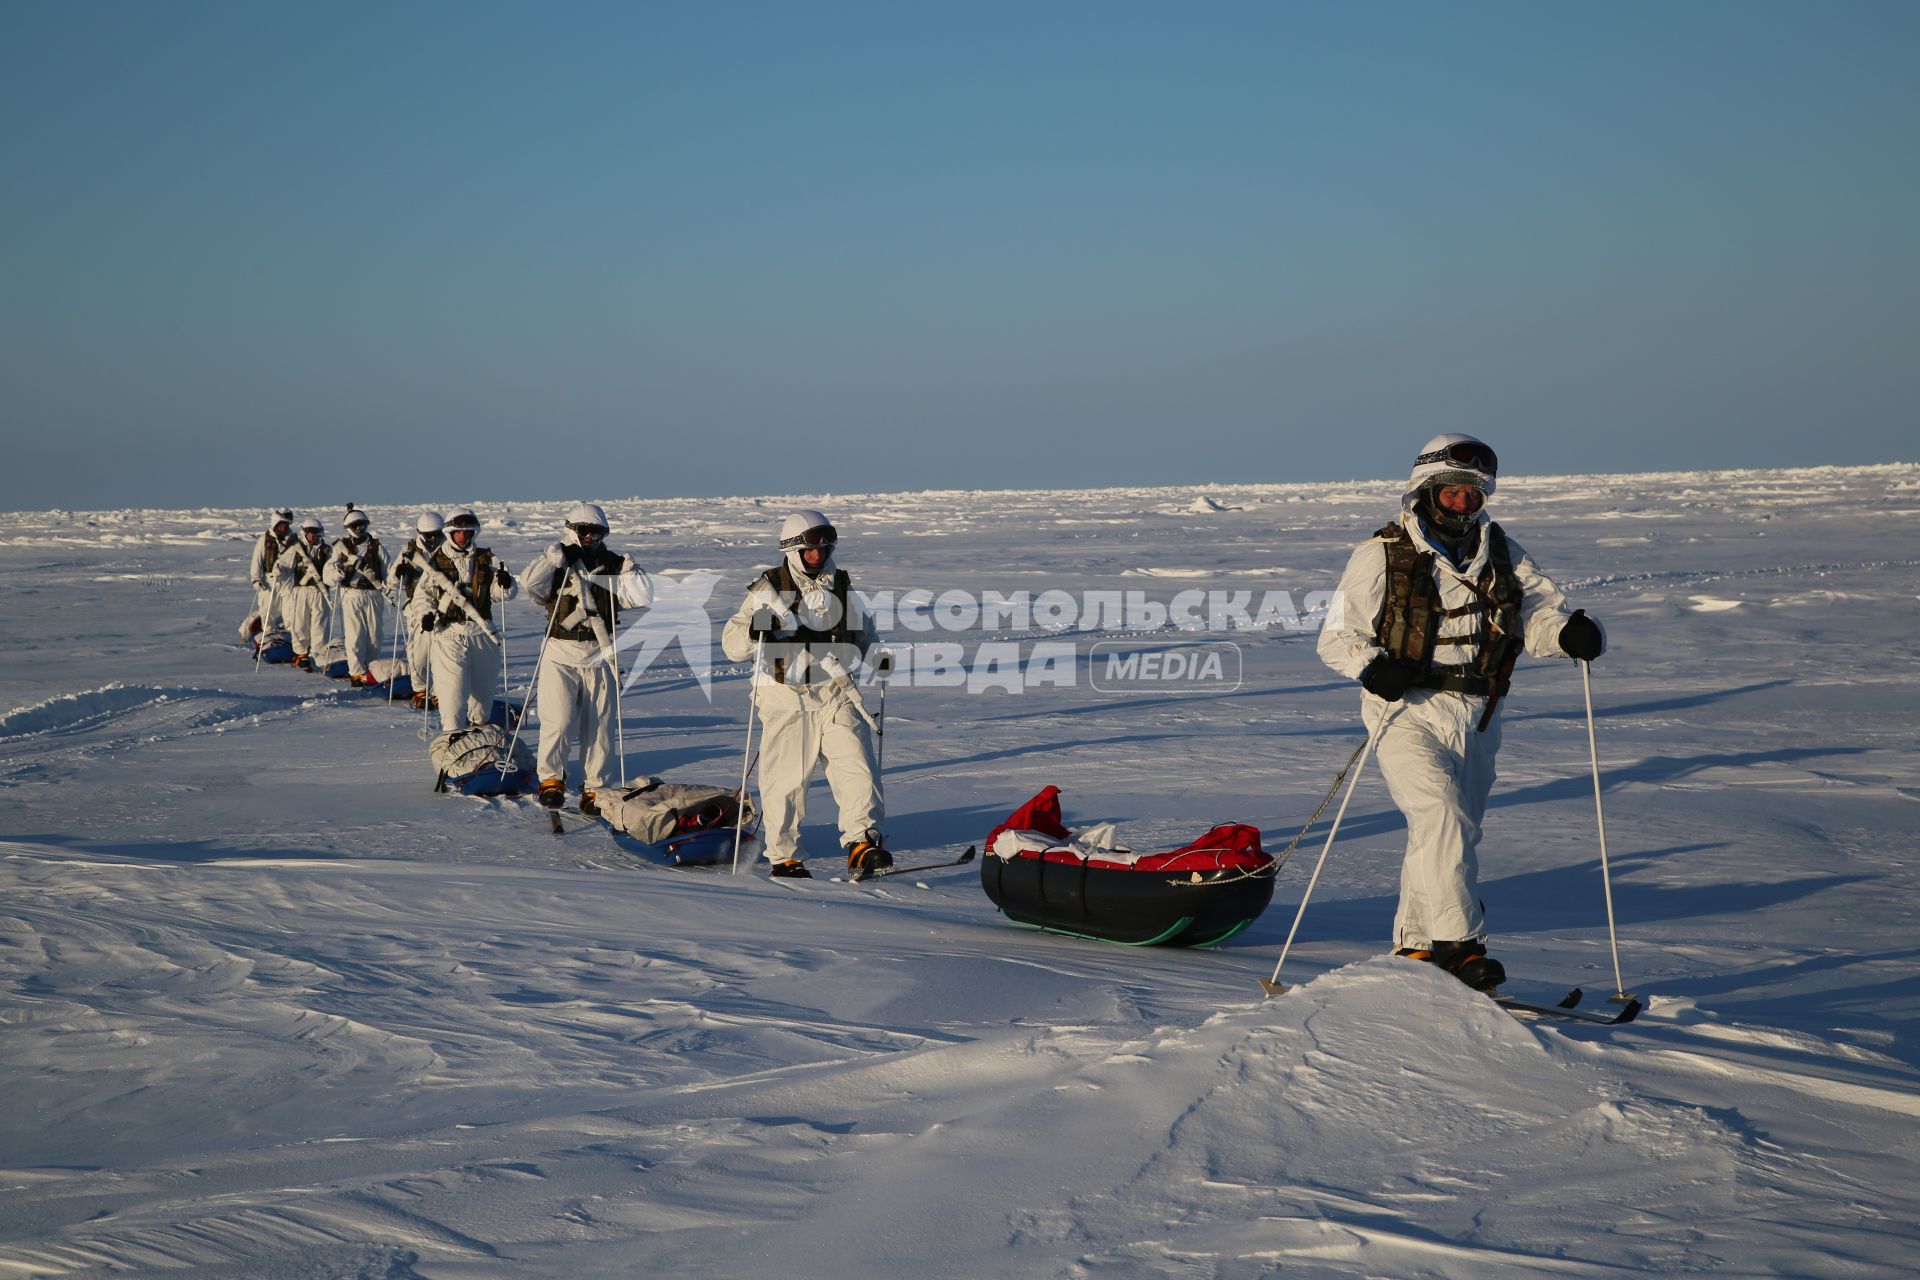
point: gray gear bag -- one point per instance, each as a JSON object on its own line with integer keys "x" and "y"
{"x": 655, "y": 812}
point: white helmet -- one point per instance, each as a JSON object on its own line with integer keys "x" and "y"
{"x": 1455, "y": 459}
{"x": 807, "y": 530}
{"x": 355, "y": 516}
{"x": 586, "y": 526}
{"x": 429, "y": 522}
{"x": 1447, "y": 461}
{"x": 279, "y": 515}
{"x": 311, "y": 525}
{"x": 463, "y": 521}
{"x": 795, "y": 528}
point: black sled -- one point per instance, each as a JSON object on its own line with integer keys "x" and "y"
{"x": 1195, "y": 896}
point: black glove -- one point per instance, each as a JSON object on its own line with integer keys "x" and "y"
{"x": 764, "y": 626}
{"x": 429, "y": 620}
{"x": 501, "y": 576}
{"x": 1390, "y": 678}
{"x": 1580, "y": 637}
{"x": 406, "y": 573}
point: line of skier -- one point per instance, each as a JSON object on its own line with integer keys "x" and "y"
{"x": 802, "y": 624}
{"x": 1429, "y": 617}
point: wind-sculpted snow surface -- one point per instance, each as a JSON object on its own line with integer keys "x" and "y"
{"x": 273, "y": 1009}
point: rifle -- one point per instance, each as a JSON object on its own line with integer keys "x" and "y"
{"x": 357, "y": 567}
{"x": 459, "y": 592}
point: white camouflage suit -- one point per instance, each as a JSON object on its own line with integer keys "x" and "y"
{"x": 404, "y": 580}
{"x": 575, "y": 694}
{"x": 808, "y": 719}
{"x": 360, "y": 572}
{"x": 1438, "y": 767}
{"x": 267, "y": 602}
{"x": 302, "y": 571}
{"x": 465, "y": 646}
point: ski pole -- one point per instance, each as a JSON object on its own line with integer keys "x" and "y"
{"x": 746, "y": 755}
{"x": 506, "y": 690}
{"x": 619, "y": 712}
{"x": 266, "y": 623}
{"x": 609, "y": 654}
{"x": 426, "y": 703}
{"x": 533, "y": 687}
{"x": 395, "y": 658}
{"x": 610, "y": 649}
{"x": 1620, "y": 993}
{"x": 1273, "y": 985}
{"x": 1281, "y": 859}
{"x": 429, "y": 641}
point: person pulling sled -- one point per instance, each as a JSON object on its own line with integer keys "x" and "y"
{"x": 459, "y": 585}
{"x": 303, "y": 593}
{"x": 408, "y": 568}
{"x": 806, "y": 628}
{"x": 583, "y": 586}
{"x": 1430, "y": 616}
{"x": 273, "y": 543}
{"x": 358, "y": 568}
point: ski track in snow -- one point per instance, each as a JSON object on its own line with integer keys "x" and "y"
{"x": 271, "y": 1009}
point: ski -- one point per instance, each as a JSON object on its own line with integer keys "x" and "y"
{"x": 962, "y": 860}
{"x": 565, "y": 825}
{"x": 1626, "y": 1012}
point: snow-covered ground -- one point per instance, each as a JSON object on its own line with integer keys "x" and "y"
{"x": 272, "y": 1009}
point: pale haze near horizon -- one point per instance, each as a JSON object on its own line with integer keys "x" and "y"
{"x": 300, "y": 254}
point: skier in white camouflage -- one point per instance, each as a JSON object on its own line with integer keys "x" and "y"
{"x": 260, "y": 570}
{"x": 811, "y": 629}
{"x": 358, "y": 569}
{"x": 583, "y": 586}
{"x": 302, "y": 571}
{"x": 408, "y": 567}
{"x": 460, "y": 584}
{"x": 1429, "y": 617}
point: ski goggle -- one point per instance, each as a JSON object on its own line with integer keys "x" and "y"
{"x": 1471, "y": 498}
{"x": 1469, "y": 455}
{"x": 588, "y": 534}
{"x": 813, "y": 539}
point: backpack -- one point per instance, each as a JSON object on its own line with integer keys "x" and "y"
{"x": 655, "y": 812}
{"x": 467, "y": 759}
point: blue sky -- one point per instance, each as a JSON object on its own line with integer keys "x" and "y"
{"x": 253, "y": 254}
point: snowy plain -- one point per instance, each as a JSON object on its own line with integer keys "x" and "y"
{"x": 270, "y": 1008}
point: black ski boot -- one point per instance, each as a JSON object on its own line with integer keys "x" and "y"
{"x": 587, "y": 805}
{"x": 1469, "y": 962}
{"x": 864, "y": 857}
{"x": 553, "y": 793}
{"x": 792, "y": 869}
